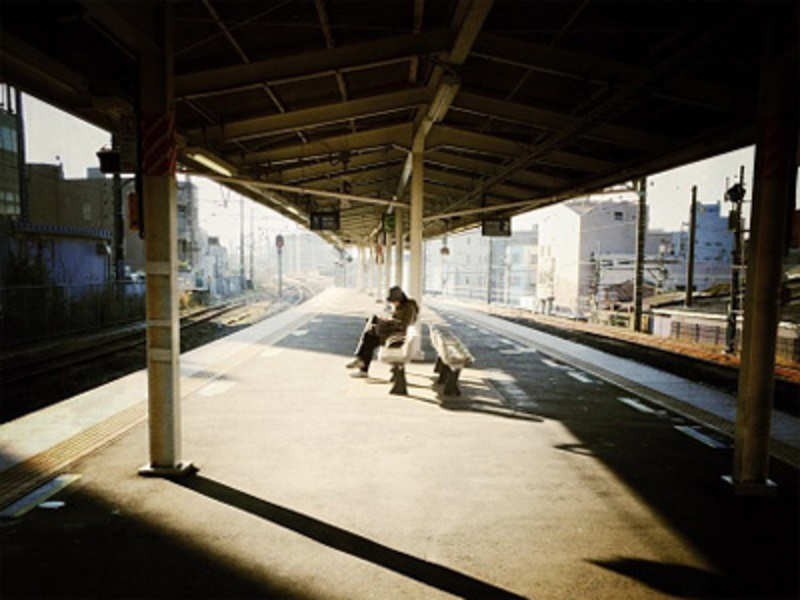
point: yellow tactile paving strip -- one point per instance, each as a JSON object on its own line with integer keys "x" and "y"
{"x": 37, "y": 470}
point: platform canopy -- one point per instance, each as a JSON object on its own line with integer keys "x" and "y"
{"x": 520, "y": 103}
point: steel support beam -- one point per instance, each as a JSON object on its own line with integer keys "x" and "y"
{"x": 684, "y": 46}
{"x": 469, "y": 18}
{"x": 550, "y": 120}
{"x": 600, "y": 70}
{"x": 440, "y": 158}
{"x": 773, "y": 200}
{"x": 445, "y": 135}
{"x": 465, "y": 182}
{"x": 325, "y": 147}
{"x": 319, "y": 171}
{"x": 242, "y": 77}
{"x": 293, "y": 189}
{"x": 350, "y": 174}
{"x": 310, "y": 118}
{"x": 157, "y": 135}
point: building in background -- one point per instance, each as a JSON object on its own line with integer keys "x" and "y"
{"x": 495, "y": 269}
{"x": 575, "y": 238}
{"x": 587, "y": 256}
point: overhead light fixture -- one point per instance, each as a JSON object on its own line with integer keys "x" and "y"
{"x": 448, "y": 88}
{"x": 210, "y": 163}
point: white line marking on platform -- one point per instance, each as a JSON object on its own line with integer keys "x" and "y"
{"x": 271, "y": 351}
{"x": 215, "y": 388}
{"x": 300, "y": 332}
{"x": 526, "y": 404}
{"x": 635, "y": 404}
{"x": 700, "y": 437}
{"x": 552, "y": 364}
{"x": 511, "y": 351}
{"x": 579, "y": 376}
{"x": 37, "y": 496}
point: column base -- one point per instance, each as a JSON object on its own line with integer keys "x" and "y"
{"x": 751, "y": 488}
{"x": 182, "y": 469}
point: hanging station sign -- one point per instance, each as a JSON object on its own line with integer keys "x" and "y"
{"x": 327, "y": 220}
{"x": 496, "y": 227}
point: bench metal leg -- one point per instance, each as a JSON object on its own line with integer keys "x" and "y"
{"x": 437, "y": 368}
{"x": 451, "y": 384}
{"x": 444, "y": 374}
{"x": 399, "y": 379}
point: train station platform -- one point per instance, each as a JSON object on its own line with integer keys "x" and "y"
{"x": 543, "y": 480}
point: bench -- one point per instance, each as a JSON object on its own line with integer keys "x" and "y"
{"x": 399, "y": 356}
{"x": 451, "y": 356}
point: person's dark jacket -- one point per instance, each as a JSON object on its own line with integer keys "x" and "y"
{"x": 404, "y": 315}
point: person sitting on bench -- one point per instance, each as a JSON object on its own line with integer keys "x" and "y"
{"x": 377, "y": 331}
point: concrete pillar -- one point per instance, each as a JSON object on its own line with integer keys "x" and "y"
{"x": 398, "y": 247}
{"x": 773, "y": 199}
{"x": 415, "y": 219}
{"x": 159, "y": 151}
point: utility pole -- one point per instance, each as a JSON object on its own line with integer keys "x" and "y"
{"x": 24, "y": 201}
{"x": 690, "y": 260}
{"x": 241, "y": 243}
{"x": 489, "y": 278}
{"x": 119, "y": 222}
{"x": 641, "y": 232}
{"x": 252, "y": 247}
{"x": 279, "y": 246}
{"x": 735, "y": 195}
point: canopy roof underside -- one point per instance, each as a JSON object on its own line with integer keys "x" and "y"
{"x": 532, "y": 101}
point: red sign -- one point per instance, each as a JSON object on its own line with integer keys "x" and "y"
{"x": 133, "y": 212}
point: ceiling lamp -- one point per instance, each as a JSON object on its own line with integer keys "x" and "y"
{"x": 210, "y": 163}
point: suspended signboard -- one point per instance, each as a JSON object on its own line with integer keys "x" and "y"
{"x": 324, "y": 220}
{"x": 388, "y": 221}
{"x": 496, "y": 227}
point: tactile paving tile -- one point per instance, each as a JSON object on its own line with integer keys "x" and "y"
{"x": 28, "y": 475}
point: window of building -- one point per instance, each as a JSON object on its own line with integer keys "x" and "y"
{"x": 618, "y": 215}
{"x": 9, "y": 203}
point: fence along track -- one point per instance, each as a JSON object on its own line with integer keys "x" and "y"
{"x": 13, "y": 370}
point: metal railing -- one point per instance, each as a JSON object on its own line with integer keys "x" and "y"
{"x": 34, "y": 313}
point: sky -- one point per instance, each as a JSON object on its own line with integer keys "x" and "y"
{"x": 54, "y": 136}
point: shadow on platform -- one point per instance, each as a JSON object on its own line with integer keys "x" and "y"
{"x": 676, "y": 580}
{"x": 92, "y": 549}
{"x": 429, "y": 573}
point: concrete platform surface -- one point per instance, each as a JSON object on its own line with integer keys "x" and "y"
{"x": 537, "y": 482}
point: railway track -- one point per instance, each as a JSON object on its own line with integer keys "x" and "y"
{"x": 24, "y": 374}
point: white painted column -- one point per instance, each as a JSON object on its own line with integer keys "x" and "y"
{"x": 360, "y": 272}
{"x": 398, "y": 247}
{"x": 159, "y": 195}
{"x": 387, "y": 265}
{"x": 378, "y": 281}
{"x": 415, "y": 219}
